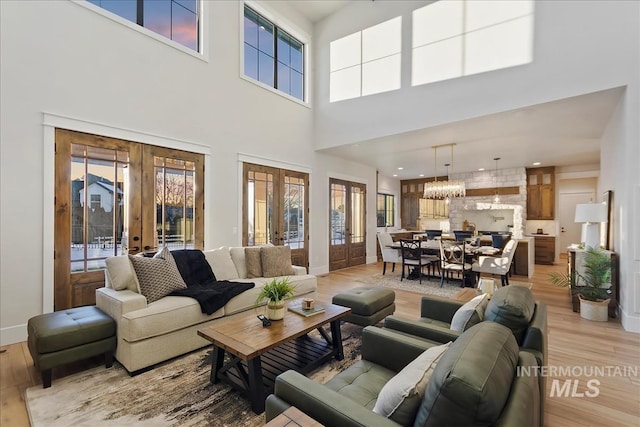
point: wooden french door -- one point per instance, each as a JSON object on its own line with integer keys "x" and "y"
{"x": 276, "y": 209}
{"x": 347, "y": 224}
{"x": 114, "y": 197}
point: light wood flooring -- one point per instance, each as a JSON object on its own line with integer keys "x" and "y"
{"x": 573, "y": 342}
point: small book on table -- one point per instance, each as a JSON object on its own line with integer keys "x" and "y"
{"x": 297, "y": 308}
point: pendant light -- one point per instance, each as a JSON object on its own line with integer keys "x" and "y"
{"x": 443, "y": 189}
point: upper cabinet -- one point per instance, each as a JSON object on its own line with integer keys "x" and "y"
{"x": 541, "y": 193}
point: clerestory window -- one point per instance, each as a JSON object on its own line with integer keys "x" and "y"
{"x": 176, "y": 20}
{"x": 272, "y": 56}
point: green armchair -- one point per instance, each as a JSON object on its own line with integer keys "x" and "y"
{"x": 480, "y": 379}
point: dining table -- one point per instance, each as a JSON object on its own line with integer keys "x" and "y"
{"x": 432, "y": 247}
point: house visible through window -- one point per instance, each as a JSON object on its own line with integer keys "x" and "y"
{"x": 385, "y": 210}
{"x": 272, "y": 56}
{"x": 176, "y": 20}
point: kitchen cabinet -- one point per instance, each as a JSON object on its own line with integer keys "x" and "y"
{"x": 545, "y": 249}
{"x": 541, "y": 193}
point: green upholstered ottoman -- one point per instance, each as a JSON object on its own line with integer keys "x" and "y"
{"x": 68, "y": 336}
{"x": 369, "y": 304}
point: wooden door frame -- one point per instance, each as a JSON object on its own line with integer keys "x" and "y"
{"x": 279, "y": 174}
{"x": 348, "y": 220}
{"x": 67, "y": 286}
{"x": 63, "y": 295}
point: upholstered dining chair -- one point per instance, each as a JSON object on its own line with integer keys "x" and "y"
{"x": 461, "y": 235}
{"x": 452, "y": 260}
{"x": 432, "y": 234}
{"x": 388, "y": 254}
{"x": 413, "y": 257}
{"x": 497, "y": 265}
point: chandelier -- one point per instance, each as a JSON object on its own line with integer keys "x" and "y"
{"x": 443, "y": 189}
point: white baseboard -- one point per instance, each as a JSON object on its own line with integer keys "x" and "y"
{"x": 317, "y": 271}
{"x": 630, "y": 322}
{"x": 13, "y": 334}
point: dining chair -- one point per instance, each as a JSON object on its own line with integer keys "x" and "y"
{"x": 432, "y": 234}
{"x": 497, "y": 265}
{"x": 453, "y": 260}
{"x": 413, "y": 257}
{"x": 388, "y": 254}
{"x": 460, "y": 235}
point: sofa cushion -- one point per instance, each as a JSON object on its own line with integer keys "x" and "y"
{"x": 120, "y": 274}
{"x": 171, "y": 313}
{"x": 513, "y": 307}
{"x": 221, "y": 263}
{"x": 470, "y": 384}
{"x": 471, "y": 313}
{"x": 158, "y": 276}
{"x": 253, "y": 262}
{"x": 361, "y": 382}
{"x": 276, "y": 261}
{"x": 400, "y": 397}
{"x": 239, "y": 261}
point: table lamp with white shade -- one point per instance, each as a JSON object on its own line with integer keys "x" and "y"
{"x": 591, "y": 215}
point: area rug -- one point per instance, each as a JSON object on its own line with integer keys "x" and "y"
{"x": 431, "y": 287}
{"x": 175, "y": 393}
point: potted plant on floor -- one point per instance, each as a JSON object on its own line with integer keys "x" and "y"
{"x": 275, "y": 292}
{"x": 593, "y": 285}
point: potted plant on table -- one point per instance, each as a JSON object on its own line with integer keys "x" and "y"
{"x": 593, "y": 286}
{"x": 275, "y": 292}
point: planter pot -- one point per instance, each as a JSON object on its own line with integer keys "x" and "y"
{"x": 275, "y": 311}
{"x": 594, "y": 310}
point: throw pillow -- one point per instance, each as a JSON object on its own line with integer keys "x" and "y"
{"x": 253, "y": 262}
{"x": 237, "y": 256}
{"x": 276, "y": 261}
{"x": 120, "y": 274}
{"x": 470, "y": 313}
{"x": 221, "y": 263}
{"x": 400, "y": 398}
{"x": 158, "y": 276}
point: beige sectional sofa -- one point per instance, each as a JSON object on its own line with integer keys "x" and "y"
{"x": 149, "y": 333}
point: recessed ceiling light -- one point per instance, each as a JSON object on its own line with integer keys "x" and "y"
{"x": 421, "y": 175}
{"x": 536, "y": 163}
{"x": 400, "y": 168}
{"x": 395, "y": 174}
{"x": 481, "y": 169}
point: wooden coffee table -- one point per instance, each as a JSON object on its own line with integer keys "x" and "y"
{"x": 257, "y": 354}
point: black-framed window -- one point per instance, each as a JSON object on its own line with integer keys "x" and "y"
{"x": 176, "y": 20}
{"x": 272, "y": 56}
{"x": 385, "y": 211}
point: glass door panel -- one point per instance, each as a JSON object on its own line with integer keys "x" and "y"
{"x": 260, "y": 208}
{"x": 97, "y": 205}
{"x": 174, "y": 201}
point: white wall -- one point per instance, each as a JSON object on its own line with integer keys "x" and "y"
{"x": 64, "y": 59}
{"x": 579, "y": 47}
{"x": 619, "y": 159}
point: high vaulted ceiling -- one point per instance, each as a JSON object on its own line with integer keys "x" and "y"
{"x": 315, "y": 10}
{"x": 559, "y": 133}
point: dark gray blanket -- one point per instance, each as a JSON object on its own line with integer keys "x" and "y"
{"x": 201, "y": 283}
